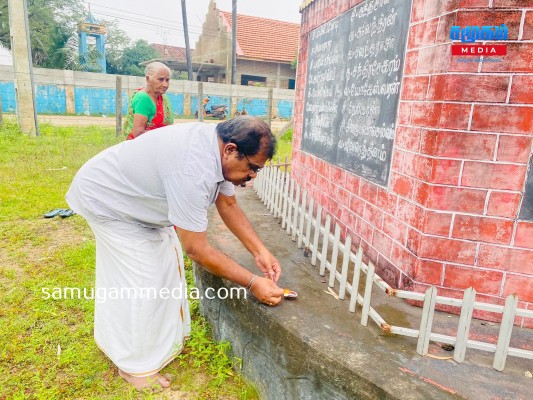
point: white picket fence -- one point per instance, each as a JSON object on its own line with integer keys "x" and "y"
{"x": 295, "y": 209}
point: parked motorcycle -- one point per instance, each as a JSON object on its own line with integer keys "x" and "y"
{"x": 219, "y": 111}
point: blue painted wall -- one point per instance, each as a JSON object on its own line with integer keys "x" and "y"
{"x": 256, "y": 107}
{"x": 177, "y": 101}
{"x": 94, "y": 101}
{"x": 7, "y": 91}
{"x": 285, "y": 108}
{"x": 51, "y": 99}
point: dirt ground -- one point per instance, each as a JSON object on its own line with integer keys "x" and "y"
{"x": 82, "y": 120}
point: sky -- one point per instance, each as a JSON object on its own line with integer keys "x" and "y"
{"x": 160, "y": 21}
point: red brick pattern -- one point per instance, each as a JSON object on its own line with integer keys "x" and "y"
{"x": 449, "y": 215}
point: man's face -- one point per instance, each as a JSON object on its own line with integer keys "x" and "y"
{"x": 239, "y": 169}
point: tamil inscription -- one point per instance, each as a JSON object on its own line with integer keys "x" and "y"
{"x": 355, "y": 64}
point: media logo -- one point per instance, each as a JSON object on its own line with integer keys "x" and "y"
{"x": 472, "y": 34}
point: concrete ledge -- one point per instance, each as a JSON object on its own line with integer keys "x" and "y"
{"x": 314, "y": 348}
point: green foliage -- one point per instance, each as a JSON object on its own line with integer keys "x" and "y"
{"x": 284, "y": 147}
{"x": 51, "y": 23}
{"x": 294, "y": 64}
{"x": 132, "y": 56}
{"x": 115, "y": 43}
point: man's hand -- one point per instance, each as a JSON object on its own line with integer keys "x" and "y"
{"x": 266, "y": 291}
{"x": 269, "y": 265}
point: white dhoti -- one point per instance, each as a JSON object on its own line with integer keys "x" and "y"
{"x": 141, "y": 310}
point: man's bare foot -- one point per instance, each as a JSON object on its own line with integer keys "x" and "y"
{"x": 152, "y": 382}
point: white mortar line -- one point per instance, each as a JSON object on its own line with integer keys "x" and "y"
{"x": 488, "y": 103}
{"x": 470, "y": 117}
{"x": 461, "y": 73}
{"x": 496, "y": 147}
{"x": 461, "y": 169}
{"x": 481, "y": 59}
{"x": 509, "y": 89}
{"x": 502, "y": 285}
{"x": 515, "y": 228}
{"x": 522, "y": 23}
{"x": 486, "y": 206}
{"x": 452, "y": 223}
{"x": 476, "y": 255}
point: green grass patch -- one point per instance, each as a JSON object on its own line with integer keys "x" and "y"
{"x": 47, "y": 347}
{"x": 284, "y": 149}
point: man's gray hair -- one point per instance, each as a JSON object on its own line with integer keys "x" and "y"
{"x": 152, "y": 68}
{"x": 250, "y": 134}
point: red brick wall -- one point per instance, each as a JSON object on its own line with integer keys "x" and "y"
{"x": 449, "y": 214}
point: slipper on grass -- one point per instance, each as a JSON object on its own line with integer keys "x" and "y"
{"x": 54, "y": 212}
{"x": 66, "y": 213}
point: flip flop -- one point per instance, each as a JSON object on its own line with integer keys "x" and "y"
{"x": 54, "y": 212}
{"x": 66, "y": 213}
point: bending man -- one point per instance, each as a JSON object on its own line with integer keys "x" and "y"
{"x": 131, "y": 194}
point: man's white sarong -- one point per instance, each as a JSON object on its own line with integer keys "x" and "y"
{"x": 141, "y": 310}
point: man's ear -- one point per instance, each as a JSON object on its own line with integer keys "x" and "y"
{"x": 230, "y": 148}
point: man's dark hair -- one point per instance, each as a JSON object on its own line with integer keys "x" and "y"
{"x": 250, "y": 134}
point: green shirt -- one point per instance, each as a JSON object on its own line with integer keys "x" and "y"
{"x": 141, "y": 103}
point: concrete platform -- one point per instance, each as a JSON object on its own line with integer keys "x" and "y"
{"x": 314, "y": 348}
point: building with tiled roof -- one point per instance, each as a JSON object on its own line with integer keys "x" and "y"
{"x": 265, "y": 49}
{"x": 171, "y": 52}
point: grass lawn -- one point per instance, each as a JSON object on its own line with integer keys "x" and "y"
{"x": 284, "y": 151}
{"x": 47, "y": 347}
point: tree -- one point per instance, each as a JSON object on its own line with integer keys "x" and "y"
{"x": 54, "y": 39}
{"x": 52, "y": 23}
{"x": 132, "y": 56}
{"x": 116, "y": 41}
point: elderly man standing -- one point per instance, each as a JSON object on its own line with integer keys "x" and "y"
{"x": 131, "y": 195}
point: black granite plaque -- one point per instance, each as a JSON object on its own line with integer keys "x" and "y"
{"x": 354, "y": 73}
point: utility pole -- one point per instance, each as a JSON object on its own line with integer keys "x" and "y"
{"x": 186, "y": 32}
{"x": 22, "y": 66}
{"x": 233, "y": 41}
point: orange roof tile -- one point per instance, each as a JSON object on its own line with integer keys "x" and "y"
{"x": 170, "y": 52}
{"x": 265, "y": 39}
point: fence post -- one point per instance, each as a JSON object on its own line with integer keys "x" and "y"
{"x": 302, "y": 220}
{"x": 295, "y": 215}
{"x": 289, "y": 208}
{"x": 345, "y": 263}
{"x": 324, "y": 250}
{"x": 355, "y": 279}
{"x": 506, "y": 329}
{"x": 307, "y": 236}
{"x": 200, "y": 101}
{"x": 285, "y": 200}
{"x": 118, "y": 105}
{"x": 269, "y": 108}
{"x": 467, "y": 309}
{"x": 368, "y": 293}
{"x": 334, "y": 255}
{"x": 427, "y": 321}
{"x": 318, "y": 222}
